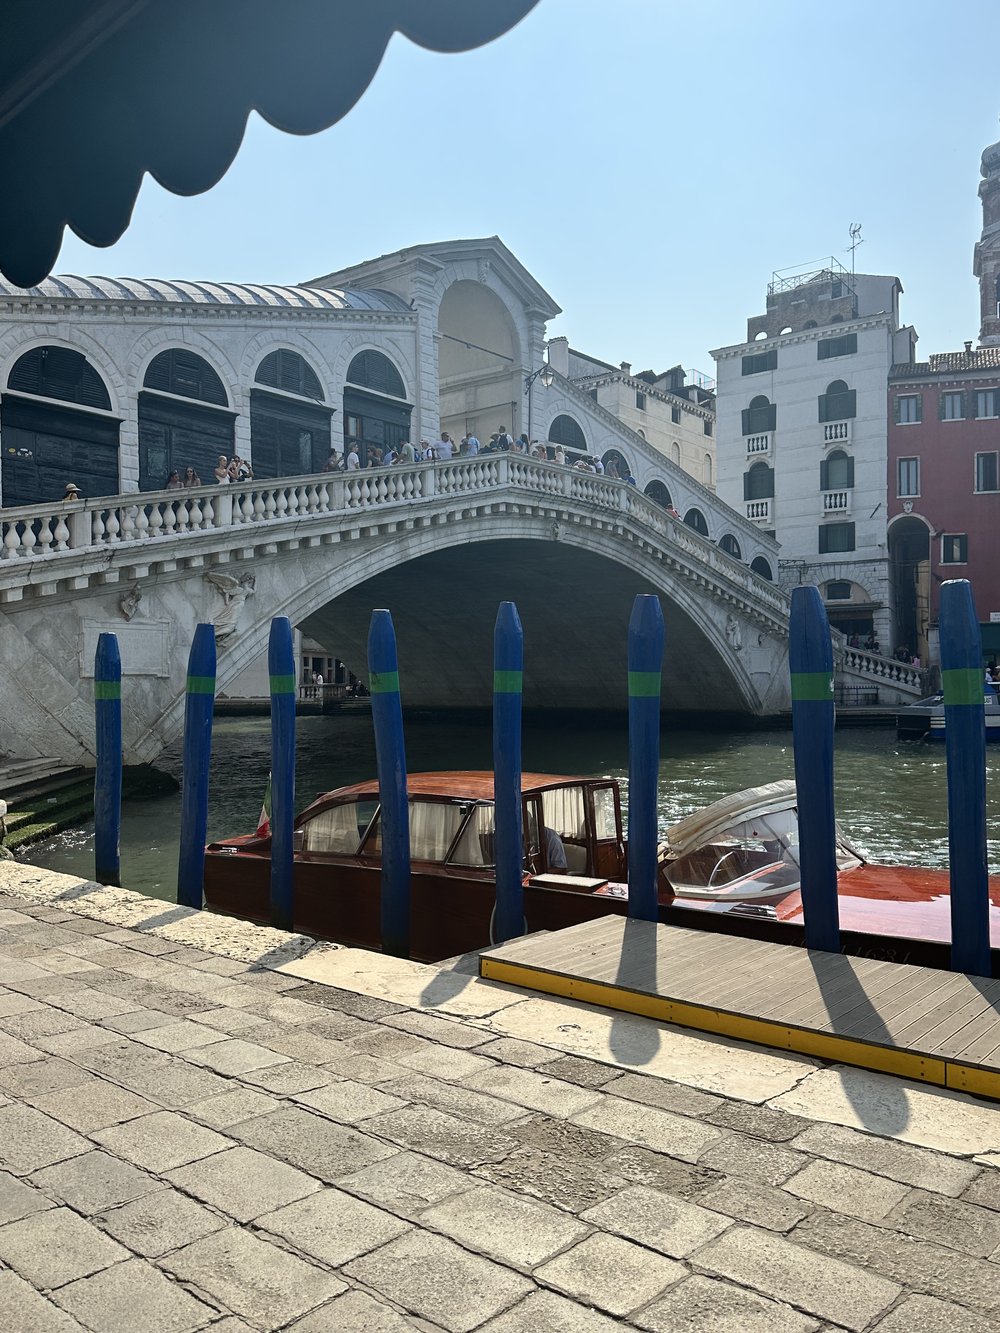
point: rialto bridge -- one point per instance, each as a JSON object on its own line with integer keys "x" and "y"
{"x": 440, "y": 544}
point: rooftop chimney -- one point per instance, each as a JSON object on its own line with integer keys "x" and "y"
{"x": 626, "y": 367}
{"x": 968, "y": 347}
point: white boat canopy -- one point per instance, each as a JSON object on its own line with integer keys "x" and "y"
{"x": 740, "y": 807}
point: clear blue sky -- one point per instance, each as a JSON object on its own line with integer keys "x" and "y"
{"x": 649, "y": 162}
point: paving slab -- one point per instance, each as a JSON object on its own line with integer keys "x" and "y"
{"x": 161, "y": 1141}
{"x": 19, "y": 1199}
{"x": 848, "y": 1190}
{"x": 242, "y": 1182}
{"x": 354, "y": 1312}
{"x": 887, "y": 1157}
{"x": 266, "y": 1285}
{"x": 709, "y": 1305}
{"x": 55, "y": 1247}
{"x": 714, "y": 1064}
{"x": 157, "y": 1223}
{"x": 348, "y": 1102}
{"x": 229, "y": 1108}
{"x": 332, "y": 1226}
{"x": 94, "y": 1181}
{"x": 914, "y": 1112}
{"x": 26, "y": 1311}
{"x": 96, "y": 1104}
{"x": 133, "y": 1295}
{"x": 454, "y": 1099}
{"x": 672, "y": 1226}
{"x": 930, "y": 1315}
{"x": 319, "y": 1146}
{"x": 30, "y": 1140}
{"x": 505, "y": 1226}
{"x": 776, "y": 1267}
{"x": 432, "y": 1277}
{"x": 660, "y": 1130}
{"x": 611, "y": 1273}
{"x": 554, "y": 1313}
{"x": 407, "y": 1183}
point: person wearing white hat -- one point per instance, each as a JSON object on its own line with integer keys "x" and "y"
{"x": 72, "y": 491}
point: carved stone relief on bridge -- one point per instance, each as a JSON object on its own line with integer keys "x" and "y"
{"x": 234, "y": 589}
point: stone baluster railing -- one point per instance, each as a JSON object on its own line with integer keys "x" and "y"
{"x": 864, "y": 663}
{"x": 43, "y": 530}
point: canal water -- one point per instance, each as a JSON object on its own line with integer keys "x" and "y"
{"x": 891, "y": 795}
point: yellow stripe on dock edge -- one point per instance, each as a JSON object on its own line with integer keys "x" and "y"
{"x": 761, "y": 1031}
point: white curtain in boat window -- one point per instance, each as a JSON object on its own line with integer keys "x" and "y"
{"x": 333, "y": 831}
{"x": 476, "y": 847}
{"x": 433, "y": 826}
{"x": 562, "y": 811}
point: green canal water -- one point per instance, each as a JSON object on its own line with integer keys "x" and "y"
{"x": 891, "y": 795}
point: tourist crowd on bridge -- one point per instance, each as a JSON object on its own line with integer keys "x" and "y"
{"x": 445, "y": 449}
{"x": 238, "y": 469}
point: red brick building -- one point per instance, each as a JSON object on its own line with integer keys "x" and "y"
{"x": 944, "y": 490}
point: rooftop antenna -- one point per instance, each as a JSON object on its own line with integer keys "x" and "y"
{"x": 855, "y": 242}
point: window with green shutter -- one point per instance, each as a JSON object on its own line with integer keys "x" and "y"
{"x": 836, "y": 471}
{"x": 834, "y": 537}
{"x": 845, "y": 345}
{"x": 760, "y": 361}
{"x": 907, "y": 409}
{"x": 760, "y": 416}
{"x": 839, "y": 403}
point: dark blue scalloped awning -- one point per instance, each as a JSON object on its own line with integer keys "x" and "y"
{"x": 94, "y": 95}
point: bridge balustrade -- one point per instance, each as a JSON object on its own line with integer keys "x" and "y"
{"x": 68, "y": 529}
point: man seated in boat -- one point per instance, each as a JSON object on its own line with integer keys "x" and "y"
{"x": 555, "y": 852}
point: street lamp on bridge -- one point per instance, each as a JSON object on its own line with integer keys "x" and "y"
{"x": 544, "y": 373}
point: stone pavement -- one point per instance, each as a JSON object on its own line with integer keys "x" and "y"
{"x": 216, "y": 1137}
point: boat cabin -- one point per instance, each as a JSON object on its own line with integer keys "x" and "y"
{"x": 571, "y": 825}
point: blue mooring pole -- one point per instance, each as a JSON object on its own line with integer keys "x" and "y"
{"x": 645, "y": 667}
{"x": 810, "y": 662}
{"x": 108, "y": 773}
{"x": 390, "y": 762}
{"x": 508, "y": 671}
{"x": 965, "y": 747}
{"x": 281, "y": 669}
{"x": 197, "y": 753}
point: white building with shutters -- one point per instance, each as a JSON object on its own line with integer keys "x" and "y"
{"x": 802, "y": 437}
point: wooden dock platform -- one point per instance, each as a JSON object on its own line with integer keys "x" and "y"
{"x": 916, "y": 1022}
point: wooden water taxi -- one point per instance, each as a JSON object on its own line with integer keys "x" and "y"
{"x": 732, "y": 866}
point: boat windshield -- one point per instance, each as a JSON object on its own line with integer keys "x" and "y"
{"x": 751, "y": 858}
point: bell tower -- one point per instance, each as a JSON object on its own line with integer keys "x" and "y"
{"x": 986, "y": 263}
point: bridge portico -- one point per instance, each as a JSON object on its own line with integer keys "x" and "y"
{"x": 440, "y": 543}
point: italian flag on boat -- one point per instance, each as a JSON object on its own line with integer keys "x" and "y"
{"x": 264, "y": 822}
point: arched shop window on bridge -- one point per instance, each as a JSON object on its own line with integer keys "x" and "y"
{"x": 659, "y": 494}
{"x": 731, "y": 546}
{"x": 376, "y": 414}
{"x": 760, "y": 566}
{"x": 694, "y": 518}
{"x": 568, "y": 432}
{"x": 289, "y": 421}
{"x": 184, "y": 419}
{"x": 615, "y": 461}
{"x": 55, "y": 427}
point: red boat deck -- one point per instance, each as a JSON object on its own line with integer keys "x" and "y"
{"x": 916, "y": 1022}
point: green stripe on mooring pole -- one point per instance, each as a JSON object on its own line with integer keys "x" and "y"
{"x": 390, "y": 763}
{"x": 508, "y": 676}
{"x": 645, "y": 668}
{"x": 108, "y": 770}
{"x": 810, "y": 661}
{"x": 198, "y": 710}
{"x": 965, "y": 748}
{"x": 281, "y": 668}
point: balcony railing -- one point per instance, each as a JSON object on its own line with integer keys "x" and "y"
{"x": 759, "y": 444}
{"x": 836, "y": 502}
{"x": 837, "y": 432}
{"x": 759, "y": 511}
